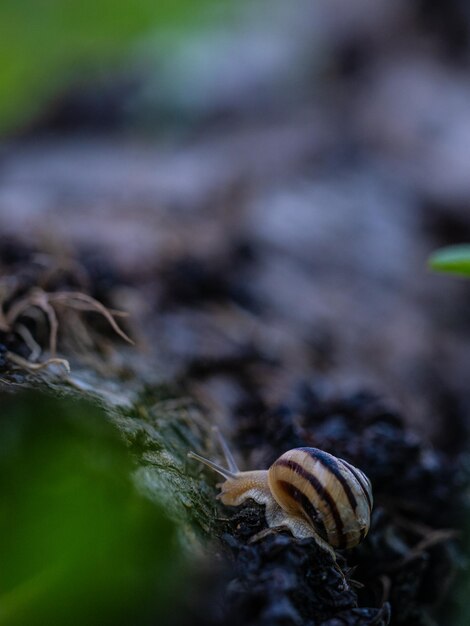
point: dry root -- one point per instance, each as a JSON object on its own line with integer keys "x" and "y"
{"x": 53, "y": 306}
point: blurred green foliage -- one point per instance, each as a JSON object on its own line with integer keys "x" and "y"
{"x": 452, "y": 260}
{"x": 44, "y": 42}
{"x": 78, "y": 544}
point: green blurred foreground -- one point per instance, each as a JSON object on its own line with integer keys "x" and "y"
{"x": 78, "y": 545}
{"x": 46, "y": 44}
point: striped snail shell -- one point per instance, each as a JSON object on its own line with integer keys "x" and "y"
{"x": 334, "y": 496}
{"x": 307, "y": 490}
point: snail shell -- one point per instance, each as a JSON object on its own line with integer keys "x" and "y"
{"x": 334, "y": 496}
{"x": 307, "y": 490}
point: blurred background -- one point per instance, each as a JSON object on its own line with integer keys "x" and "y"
{"x": 259, "y": 185}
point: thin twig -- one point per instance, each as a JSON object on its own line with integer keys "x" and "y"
{"x": 18, "y": 308}
{"x": 434, "y": 538}
{"x": 41, "y": 300}
{"x": 35, "y": 367}
{"x": 30, "y": 341}
{"x": 84, "y": 302}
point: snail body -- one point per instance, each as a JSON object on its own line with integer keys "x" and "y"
{"x": 309, "y": 491}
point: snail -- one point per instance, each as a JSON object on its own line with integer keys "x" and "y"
{"x": 309, "y": 491}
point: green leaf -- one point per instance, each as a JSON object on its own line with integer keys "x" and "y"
{"x": 452, "y": 260}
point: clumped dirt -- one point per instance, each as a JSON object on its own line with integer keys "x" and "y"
{"x": 410, "y": 559}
